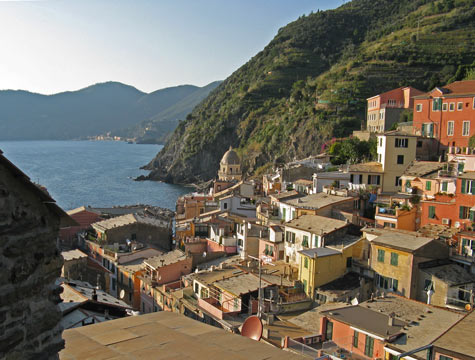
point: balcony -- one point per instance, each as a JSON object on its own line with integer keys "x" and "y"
{"x": 213, "y": 306}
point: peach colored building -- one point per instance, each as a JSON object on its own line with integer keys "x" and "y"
{"x": 384, "y": 110}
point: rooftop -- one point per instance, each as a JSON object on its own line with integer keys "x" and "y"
{"x": 398, "y": 133}
{"x": 310, "y": 320}
{"x": 452, "y": 274}
{"x": 168, "y": 258}
{"x": 316, "y": 201}
{"x": 423, "y": 168}
{"x": 369, "y": 167}
{"x": 73, "y": 254}
{"x": 230, "y": 157}
{"x": 456, "y": 339}
{"x": 367, "y": 319}
{"x": 209, "y": 277}
{"x": 399, "y": 239}
{"x": 316, "y": 224}
{"x": 303, "y": 182}
{"x": 286, "y": 194}
{"x": 424, "y": 322}
{"x": 164, "y": 335}
{"x": 240, "y": 284}
{"x": 438, "y": 231}
{"x": 470, "y": 175}
{"x": 349, "y": 281}
{"x": 125, "y": 220}
{"x": 319, "y": 252}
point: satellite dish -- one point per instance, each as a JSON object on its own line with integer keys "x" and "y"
{"x": 252, "y": 328}
{"x": 354, "y": 301}
{"x": 122, "y": 294}
{"x": 204, "y": 254}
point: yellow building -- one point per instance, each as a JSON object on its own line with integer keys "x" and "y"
{"x": 230, "y": 166}
{"x": 319, "y": 266}
{"x": 395, "y": 151}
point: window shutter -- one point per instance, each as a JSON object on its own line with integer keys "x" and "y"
{"x": 351, "y": 178}
{"x": 378, "y": 179}
{"x": 361, "y": 178}
{"x": 461, "y": 208}
{"x": 464, "y": 184}
{"x": 369, "y": 179}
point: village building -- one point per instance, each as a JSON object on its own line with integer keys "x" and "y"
{"x": 312, "y": 231}
{"x": 396, "y": 255}
{"x": 334, "y": 179}
{"x": 396, "y": 150}
{"x": 293, "y": 206}
{"x": 84, "y": 304}
{"x": 303, "y": 186}
{"x": 447, "y": 114}
{"x": 193, "y": 205}
{"x": 249, "y": 235}
{"x": 384, "y": 110}
{"x": 132, "y": 227}
{"x": 84, "y": 218}
{"x": 271, "y": 247}
{"x": 383, "y": 328}
{"x": 230, "y": 166}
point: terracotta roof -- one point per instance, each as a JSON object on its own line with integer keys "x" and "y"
{"x": 466, "y": 87}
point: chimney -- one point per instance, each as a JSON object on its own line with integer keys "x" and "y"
{"x": 391, "y": 320}
{"x": 94, "y": 295}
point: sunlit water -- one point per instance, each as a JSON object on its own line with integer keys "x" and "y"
{"x": 96, "y": 173}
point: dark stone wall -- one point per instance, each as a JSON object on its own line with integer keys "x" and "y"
{"x": 29, "y": 265}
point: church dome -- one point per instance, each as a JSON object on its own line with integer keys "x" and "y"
{"x": 230, "y": 157}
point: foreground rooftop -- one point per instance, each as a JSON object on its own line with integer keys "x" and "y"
{"x": 163, "y": 335}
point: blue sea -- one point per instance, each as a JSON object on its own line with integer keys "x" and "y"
{"x": 96, "y": 173}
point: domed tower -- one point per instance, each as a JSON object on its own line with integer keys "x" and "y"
{"x": 230, "y": 166}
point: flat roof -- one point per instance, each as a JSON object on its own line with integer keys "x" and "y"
{"x": 286, "y": 194}
{"x": 369, "y": 167}
{"x": 316, "y": 224}
{"x": 209, "y": 277}
{"x": 459, "y": 339}
{"x": 73, "y": 254}
{"x": 424, "y": 322}
{"x": 240, "y": 284}
{"x": 422, "y": 168}
{"x": 403, "y": 240}
{"x": 163, "y": 335}
{"x": 470, "y": 175}
{"x": 168, "y": 258}
{"x": 319, "y": 252}
{"x": 452, "y": 274}
{"x": 310, "y": 320}
{"x": 128, "y": 219}
{"x": 316, "y": 201}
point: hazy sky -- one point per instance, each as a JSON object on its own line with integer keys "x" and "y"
{"x": 49, "y": 46}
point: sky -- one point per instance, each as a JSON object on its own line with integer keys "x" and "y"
{"x": 49, "y": 46}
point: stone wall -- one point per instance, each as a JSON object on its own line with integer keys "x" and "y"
{"x": 29, "y": 265}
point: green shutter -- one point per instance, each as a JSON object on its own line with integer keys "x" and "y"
{"x": 395, "y": 283}
{"x": 394, "y": 259}
{"x": 464, "y": 184}
{"x": 444, "y": 186}
{"x": 431, "y": 212}
{"x": 461, "y": 212}
{"x": 355, "y": 339}
{"x": 428, "y": 185}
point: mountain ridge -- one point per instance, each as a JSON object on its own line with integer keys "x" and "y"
{"x": 90, "y": 111}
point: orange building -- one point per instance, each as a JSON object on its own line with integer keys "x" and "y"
{"x": 456, "y": 211}
{"x": 385, "y": 109}
{"x": 447, "y": 114}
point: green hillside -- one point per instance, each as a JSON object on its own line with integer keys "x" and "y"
{"x": 309, "y": 84}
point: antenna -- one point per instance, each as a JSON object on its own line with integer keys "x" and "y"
{"x": 122, "y": 294}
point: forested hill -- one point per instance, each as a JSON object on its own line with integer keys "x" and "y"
{"x": 95, "y": 110}
{"x": 309, "y": 84}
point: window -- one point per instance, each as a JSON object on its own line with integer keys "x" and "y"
{"x": 113, "y": 284}
{"x": 394, "y": 259}
{"x": 444, "y": 106}
{"x": 459, "y": 106}
{"x": 305, "y": 285}
{"x": 391, "y": 102}
{"x": 428, "y": 130}
{"x": 401, "y": 143}
{"x": 466, "y": 128}
{"x": 395, "y": 283}
{"x": 225, "y": 205}
{"x": 329, "y": 331}
{"x": 355, "y": 339}
{"x": 444, "y": 186}
{"x": 451, "y": 106}
{"x": 284, "y": 210}
{"x": 305, "y": 241}
{"x": 293, "y": 214}
{"x": 368, "y": 347}
{"x": 374, "y": 179}
{"x": 380, "y": 255}
{"x": 419, "y": 107}
{"x": 431, "y": 212}
{"x": 130, "y": 283}
{"x": 133, "y": 236}
{"x": 121, "y": 277}
{"x": 305, "y": 262}
{"x": 468, "y": 187}
{"x": 380, "y": 141}
{"x": 197, "y": 288}
{"x": 349, "y": 262}
{"x": 386, "y": 283}
{"x": 436, "y": 104}
{"x": 398, "y": 181}
{"x": 450, "y": 128}
{"x": 389, "y": 225}
{"x": 464, "y": 212}
{"x": 400, "y": 159}
{"x": 443, "y": 357}
{"x": 428, "y": 185}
